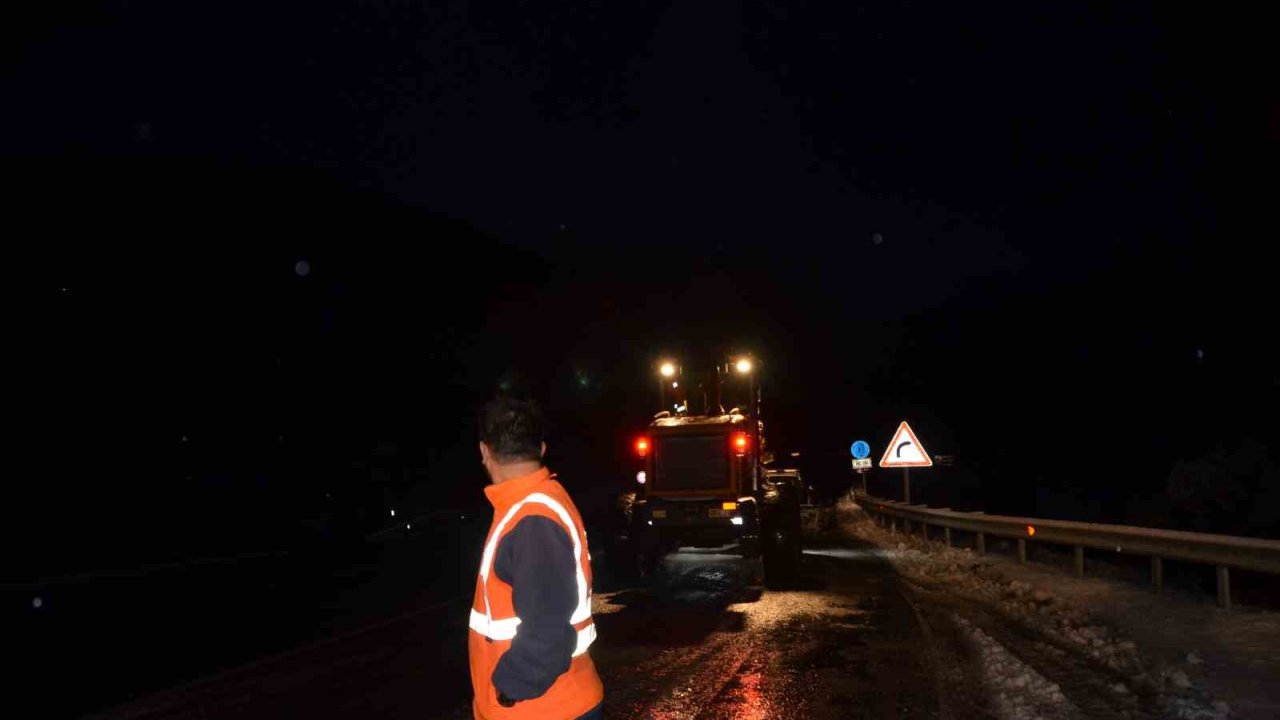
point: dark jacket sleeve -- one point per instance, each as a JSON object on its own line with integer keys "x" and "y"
{"x": 536, "y": 559}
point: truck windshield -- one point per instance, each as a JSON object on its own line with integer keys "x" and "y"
{"x": 691, "y": 462}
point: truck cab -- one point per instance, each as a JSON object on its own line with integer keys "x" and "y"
{"x": 705, "y": 485}
{"x": 701, "y": 475}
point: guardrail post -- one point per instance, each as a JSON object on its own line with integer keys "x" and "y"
{"x": 1079, "y": 561}
{"x": 982, "y": 544}
{"x": 1224, "y": 587}
{"x": 894, "y": 524}
{"x": 1022, "y": 551}
{"x": 1157, "y": 574}
{"x": 924, "y": 532}
{"x": 946, "y": 534}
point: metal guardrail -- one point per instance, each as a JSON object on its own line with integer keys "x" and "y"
{"x": 1222, "y": 551}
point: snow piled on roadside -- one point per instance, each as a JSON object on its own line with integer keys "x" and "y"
{"x": 963, "y": 572}
{"x": 1018, "y": 692}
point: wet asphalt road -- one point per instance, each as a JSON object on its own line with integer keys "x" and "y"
{"x": 703, "y": 643}
{"x": 700, "y": 640}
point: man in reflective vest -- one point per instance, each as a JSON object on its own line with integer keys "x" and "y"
{"x": 531, "y": 620}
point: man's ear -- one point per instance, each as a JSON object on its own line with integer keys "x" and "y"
{"x": 544, "y": 449}
{"x": 485, "y": 454}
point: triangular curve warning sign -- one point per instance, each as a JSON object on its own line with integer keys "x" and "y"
{"x": 905, "y": 450}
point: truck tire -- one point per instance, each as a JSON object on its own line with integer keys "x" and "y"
{"x": 781, "y": 561}
{"x": 649, "y": 560}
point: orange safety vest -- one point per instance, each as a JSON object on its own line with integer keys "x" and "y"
{"x": 494, "y": 623}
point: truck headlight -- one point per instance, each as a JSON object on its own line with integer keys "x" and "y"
{"x": 736, "y": 521}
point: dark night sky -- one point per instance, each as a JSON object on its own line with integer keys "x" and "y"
{"x": 1032, "y": 228}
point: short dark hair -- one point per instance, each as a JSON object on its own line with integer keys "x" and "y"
{"x": 512, "y": 428}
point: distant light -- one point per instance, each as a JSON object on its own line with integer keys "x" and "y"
{"x": 736, "y": 521}
{"x": 38, "y": 603}
{"x": 184, "y": 438}
{"x": 877, "y": 238}
{"x": 1031, "y": 529}
{"x": 302, "y": 268}
{"x": 1199, "y": 354}
{"x": 795, "y": 454}
{"x": 407, "y": 526}
{"x": 675, "y": 385}
{"x": 650, "y": 522}
{"x": 641, "y": 477}
{"x": 464, "y": 517}
{"x": 743, "y": 366}
{"x": 667, "y": 369}
{"x": 393, "y": 512}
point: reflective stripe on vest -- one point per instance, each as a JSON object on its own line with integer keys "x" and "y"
{"x": 494, "y": 629}
{"x": 505, "y": 628}
{"x": 586, "y": 636}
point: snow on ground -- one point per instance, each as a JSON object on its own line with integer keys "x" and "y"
{"x": 1200, "y": 661}
{"x": 1017, "y": 691}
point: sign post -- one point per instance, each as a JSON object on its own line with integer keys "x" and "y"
{"x": 861, "y": 460}
{"x": 906, "y": 452}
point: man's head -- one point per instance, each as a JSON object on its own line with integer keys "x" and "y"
{"x": 511, "y": 437}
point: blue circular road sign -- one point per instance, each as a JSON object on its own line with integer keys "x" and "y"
{"x": 860, "y": 449}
